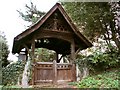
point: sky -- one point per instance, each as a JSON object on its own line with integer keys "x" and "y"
{"x": 10, "y": 21}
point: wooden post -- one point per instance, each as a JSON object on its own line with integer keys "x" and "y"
{"x": 33, "y": 50}
{"x": 54, "y": 72}
{"x": 33, "y": 60}
{"x": 73, "y": 70}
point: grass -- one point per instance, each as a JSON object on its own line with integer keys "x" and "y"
{"x": 9, "y": 87}
{"x": 16, "y": 87}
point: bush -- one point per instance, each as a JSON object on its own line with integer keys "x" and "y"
{"x": 104, "y": 80}
{"x": 11, "y": 73}
{"x": 100, "y": 61}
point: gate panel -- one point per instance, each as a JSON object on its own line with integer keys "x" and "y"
{"x": 43, "y": 72}
{"x": 46, "y": 72}
{"x": 64, "y": 72}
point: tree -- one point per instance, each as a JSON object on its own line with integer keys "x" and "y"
{"x": 32, "y": 14}
{"x": 4, "y": 50}
{"x": 98, "y": 18}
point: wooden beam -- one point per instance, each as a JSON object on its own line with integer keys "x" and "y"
{"x": 72, "y": 51}
{"x": 33, "y": 50}
{"x": 54, "y": 72}
{"x": 67, "y": 36}
{"x": 73, "y": 70}
{"x": 33, "y": 60}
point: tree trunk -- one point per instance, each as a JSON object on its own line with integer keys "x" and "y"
{"x": 114, "y": 36}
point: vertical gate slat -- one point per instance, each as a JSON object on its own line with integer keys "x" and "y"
{"x": 54, "y": 72}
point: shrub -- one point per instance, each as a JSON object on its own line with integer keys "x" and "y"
{"x": 11, "y": 73}
{"x": 100, "y": 61}
{"x": 104, "y": 80}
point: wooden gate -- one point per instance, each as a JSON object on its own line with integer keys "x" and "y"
{"x": 52, "y": 72}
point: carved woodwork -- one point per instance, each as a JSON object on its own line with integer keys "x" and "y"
{"x": 55, "y": 24}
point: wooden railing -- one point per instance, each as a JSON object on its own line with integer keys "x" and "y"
{"x": 52, "y": 72}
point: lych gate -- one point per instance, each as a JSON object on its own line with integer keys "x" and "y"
{"x": 54, "y": 31}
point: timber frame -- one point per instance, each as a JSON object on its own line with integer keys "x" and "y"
{"x": 54, "y": 31}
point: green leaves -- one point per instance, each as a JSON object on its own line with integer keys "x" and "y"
{"x": 99, "y": 61}
{"x": 88, "y": 15}
{"x": 43, "y": 54}
{"x": 96, "y": 20}
{"x": 3, "y": 50}
{"x": 11, "y": 73}
{"x": 103, "y": 80}
{"x": 31, "y": 14}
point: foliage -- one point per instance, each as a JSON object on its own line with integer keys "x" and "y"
{"x": 98, "y": 18}
{"x": 102, "y": 61}
{"x": 31, "y": 14}
{"x": 3, "y": 50}
{"x": 99, "y": 61}
{"x": 82, "y": 62}
{"x": 104, "y": 80}
{"x": 12, "y": 72}
{"x": 45, "y": 55}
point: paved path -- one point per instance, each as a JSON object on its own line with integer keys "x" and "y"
{"x": 63, "y": 85}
